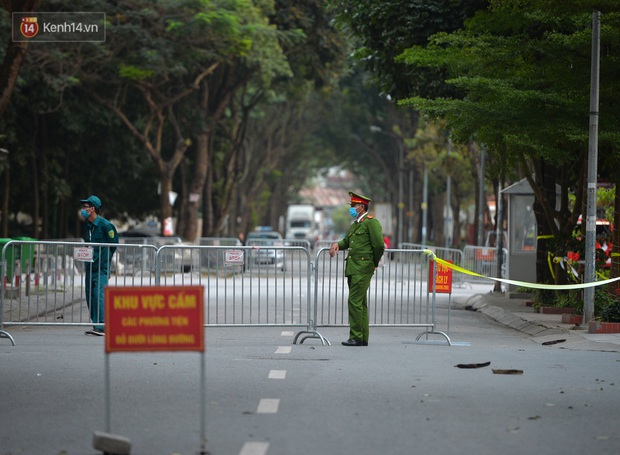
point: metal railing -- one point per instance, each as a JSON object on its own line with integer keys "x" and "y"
{"x": 483, "y": 261}
{"x": 453, "y": 255}
{"x": 253, "y": 285}
{"x": 401, "y": 293}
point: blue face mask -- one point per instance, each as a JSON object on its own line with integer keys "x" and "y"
{"x": 353, "y": 212}
{"x": 84, "y": 213}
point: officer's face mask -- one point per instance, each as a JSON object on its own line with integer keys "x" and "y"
{"x": 84, "y": 213}
{"x": 353, "y": 212}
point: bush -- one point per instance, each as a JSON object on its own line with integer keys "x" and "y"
{"x": 558, "y": 299}
{"x": 544, "y": 297}
{"x": 606, "y": 306}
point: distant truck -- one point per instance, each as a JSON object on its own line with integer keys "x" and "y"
{"x": 301, "y": 223}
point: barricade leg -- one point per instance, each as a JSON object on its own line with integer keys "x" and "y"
{"x": 4, "y": 334}
{"x": 310, "y": 334}
{"x": 434, "y": 332}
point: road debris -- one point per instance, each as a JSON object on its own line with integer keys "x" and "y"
{"x": 473, "y": 365}
{"x": 549, "y": 343}
{"x": 498, "y": 371}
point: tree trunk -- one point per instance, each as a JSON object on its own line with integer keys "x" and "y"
{"x": 166, "y": 174}
{"x": 192, "y": 198}
{"x": 5, "y": 198}
{"x": 545, "y": 179}
{"x": 14, "y": 54}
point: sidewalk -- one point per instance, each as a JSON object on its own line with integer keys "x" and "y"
{"x": 543, "y": 328}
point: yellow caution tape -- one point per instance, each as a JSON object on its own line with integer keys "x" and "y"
{"x": 549, "y": 256}
{"x": 521, "y": 283}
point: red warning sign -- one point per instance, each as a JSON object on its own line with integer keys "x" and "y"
{"x": 154, "y": 318}
{"x": 443, "y": 285}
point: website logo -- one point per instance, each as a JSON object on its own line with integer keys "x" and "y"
{"x": 59, "y": 27}
{"x": 29, "y": 27}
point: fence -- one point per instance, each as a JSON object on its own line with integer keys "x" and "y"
{"x": 483, "y": 261}
{"x": 401, "y": 293}
{"x": 253, "y": 285}
{"x": 247, "y": 290}
{"x": 452, "y": 255}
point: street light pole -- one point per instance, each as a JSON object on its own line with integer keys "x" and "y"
{"x": 424, "y": 205}
{"x": 590, "y": 253}
{"x": 447, "y": 221}
{"x": 481, "y": 198}
{"x": 401, "y": 203}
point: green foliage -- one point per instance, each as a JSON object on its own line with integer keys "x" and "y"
{"x": 134, "y": 73}
{"x": 569, "y": 299}
{"x": 606, "y": 306}
{"x": 524, "y": 73}
{"x": 148, "y": 68}
{"x": 385, "y": 29}
{"x": 610, "y": 312}
{"x": 544, "y": 297}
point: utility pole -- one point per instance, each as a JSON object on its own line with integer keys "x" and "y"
{"x": 424, "y": 205}
{"x": 499, "y": 235}
{"x": 589, "y": 275}
{"x": 481, "y": 198}
{"x": 448, "y": 224}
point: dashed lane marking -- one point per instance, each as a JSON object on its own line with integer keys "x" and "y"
{"x": 277, "y": 374}
{"x": 268, "y": 406}
{"x": 254, "y": 448}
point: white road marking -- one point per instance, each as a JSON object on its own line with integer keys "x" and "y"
{"x": 277, "y": 374}
{"x": 268, "y": 406}
{"x": 284, "y": 350}
{"x": 254, "y": 448}
{"x": 288, "y": 334}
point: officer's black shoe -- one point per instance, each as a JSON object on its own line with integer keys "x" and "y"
{"x": 364, "y": 343}
{"x": 352, "y": 342}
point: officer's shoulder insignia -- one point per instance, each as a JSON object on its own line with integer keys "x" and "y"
{"x": 111, "y": 233}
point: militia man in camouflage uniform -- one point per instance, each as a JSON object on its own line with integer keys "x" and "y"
{"x": 365, "y": 244}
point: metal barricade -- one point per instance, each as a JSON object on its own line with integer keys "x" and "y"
{"x": 483, "y": 261}
{"x": 323, "y": 244}
{"x": 453, "y": 255}
{"x": 250, "y": 286}
{"x": 263, "y": 286}
{"x": 400, "y": 293}
{"x": 47, "y": 287}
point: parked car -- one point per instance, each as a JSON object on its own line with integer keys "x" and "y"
{"x": 266, "y": 256}
{"x": 172, "y": 261}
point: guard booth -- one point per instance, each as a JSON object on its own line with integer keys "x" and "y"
{"x": 521, "y": 233}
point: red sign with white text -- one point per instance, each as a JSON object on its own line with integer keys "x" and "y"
{"x": 154, "y": 318}
{"x": 443, "y": 285}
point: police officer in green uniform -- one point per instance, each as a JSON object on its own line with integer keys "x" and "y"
{"x": 97, "y": 230}
{"x": 365, "y": 244}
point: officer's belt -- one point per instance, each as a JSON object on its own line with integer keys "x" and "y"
{"x": 359, "y": 257}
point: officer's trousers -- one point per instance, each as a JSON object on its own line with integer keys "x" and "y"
{"x": 95, "y": 284}
{"x": 358, "y": 306}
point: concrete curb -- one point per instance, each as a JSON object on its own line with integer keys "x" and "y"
{"x": 540, "y": 333}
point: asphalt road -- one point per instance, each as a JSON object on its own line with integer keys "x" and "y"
{"x": 266, "y": 396}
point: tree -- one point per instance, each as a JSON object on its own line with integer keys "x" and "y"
{"x": 386, "y": 29}
{"x": 14, "y": 53}
{"x": 531, "y": 111}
